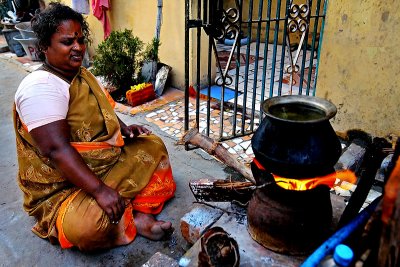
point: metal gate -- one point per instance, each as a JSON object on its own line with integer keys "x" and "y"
{"x": 254, "y": 50}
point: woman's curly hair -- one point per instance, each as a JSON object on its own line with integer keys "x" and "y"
{"x": 45, "y": 24}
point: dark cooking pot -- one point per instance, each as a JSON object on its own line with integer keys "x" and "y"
{"x": 295, "y": 139}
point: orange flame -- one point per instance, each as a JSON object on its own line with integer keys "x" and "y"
{"x": 343, "y": 178}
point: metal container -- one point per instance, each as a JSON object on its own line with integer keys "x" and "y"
{"x": 26, "y": 30}
{"x": 295, "y": 139}
{"x": 29, "y": 45}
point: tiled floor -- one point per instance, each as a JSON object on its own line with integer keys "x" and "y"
{"x": 167, "y": 112}
{"x": 170, "y": 118}
{"x": 257, "y": 77}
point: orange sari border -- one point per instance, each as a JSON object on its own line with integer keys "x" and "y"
{"x": 64, "y": 242}
{"x": 88, "y": 146}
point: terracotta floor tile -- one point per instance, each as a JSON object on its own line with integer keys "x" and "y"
{"x": 159, "y": 123}
{"x": 230, "y": 143}
{"x": 247, "y": 137}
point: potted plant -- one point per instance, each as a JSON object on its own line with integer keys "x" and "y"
{"x": 118, "y": 59}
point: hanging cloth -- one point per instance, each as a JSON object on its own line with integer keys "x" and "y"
{"x": 100, "y": 8}
{"x": 81, "y": 6}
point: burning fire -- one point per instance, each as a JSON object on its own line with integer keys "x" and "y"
{"x": 343, "y": 178}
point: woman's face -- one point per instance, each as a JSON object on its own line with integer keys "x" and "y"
{"x": 67, "y": 47}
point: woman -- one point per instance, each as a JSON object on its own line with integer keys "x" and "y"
{"x": 86, "y": 186}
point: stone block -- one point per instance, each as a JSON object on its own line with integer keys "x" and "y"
{"x": 351, "y": 159}
{"x": 160, "y": 259}
{"x": 196, "y": 221}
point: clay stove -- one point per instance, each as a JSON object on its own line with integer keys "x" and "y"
{"x": 295, "y": 141}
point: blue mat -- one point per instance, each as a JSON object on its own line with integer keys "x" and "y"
{"x": 215, "y": 92}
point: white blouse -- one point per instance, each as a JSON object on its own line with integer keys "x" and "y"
{"x": 42, "y": 98}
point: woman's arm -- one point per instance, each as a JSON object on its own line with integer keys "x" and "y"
{"x": 53, "y": 142}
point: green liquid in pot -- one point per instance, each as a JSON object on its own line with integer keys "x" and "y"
{"x": 296, "y": 112}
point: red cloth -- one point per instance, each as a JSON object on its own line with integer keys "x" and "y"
{"x": 100, "y": 8}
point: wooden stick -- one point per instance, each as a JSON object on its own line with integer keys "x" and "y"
{"x": 214, "y": 148}
{"x": 221, "y": 190}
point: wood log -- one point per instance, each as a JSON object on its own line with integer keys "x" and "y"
{"x": 214, "y": 148}
{"x": 221, "y": 190}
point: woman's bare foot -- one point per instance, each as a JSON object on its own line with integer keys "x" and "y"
{"x": 147, "y": 226}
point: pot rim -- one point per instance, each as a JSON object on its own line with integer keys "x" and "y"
{"x": 319, "y": 103}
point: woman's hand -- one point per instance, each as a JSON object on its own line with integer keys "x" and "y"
{"x": 111, "y": 202}
{"x": 134, "y": 130}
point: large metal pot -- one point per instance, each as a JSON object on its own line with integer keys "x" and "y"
{"x": 295, "y": 139}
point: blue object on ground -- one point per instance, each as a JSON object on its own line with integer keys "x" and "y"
{"x": 215, "y": 92}
{"x": 343, "y": 255}
{"x": 243, "y": 41}
{"x": 329, "y": 245}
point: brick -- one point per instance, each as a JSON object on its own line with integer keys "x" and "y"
{"x": 197, "y": 221}
{"x": 160, "y": 259}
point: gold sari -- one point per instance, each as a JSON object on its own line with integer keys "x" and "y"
{"x": 139, "y": 170}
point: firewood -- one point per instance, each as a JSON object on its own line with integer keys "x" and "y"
{"x": 221, "y": 190}
{"x": 214, "y": 148}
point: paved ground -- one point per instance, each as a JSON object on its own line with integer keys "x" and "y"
{"x": 20, "y": 247}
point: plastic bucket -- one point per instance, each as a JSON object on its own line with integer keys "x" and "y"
{"x": 29, "y": 46}
{"x": 14, "y": 45}
{"x": 25, "y": 29}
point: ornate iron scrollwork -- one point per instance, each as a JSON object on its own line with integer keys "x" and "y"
{"x": 298, "y": 18}
{"x": 298, "y": 21}
{"x": 224, "y": 25}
